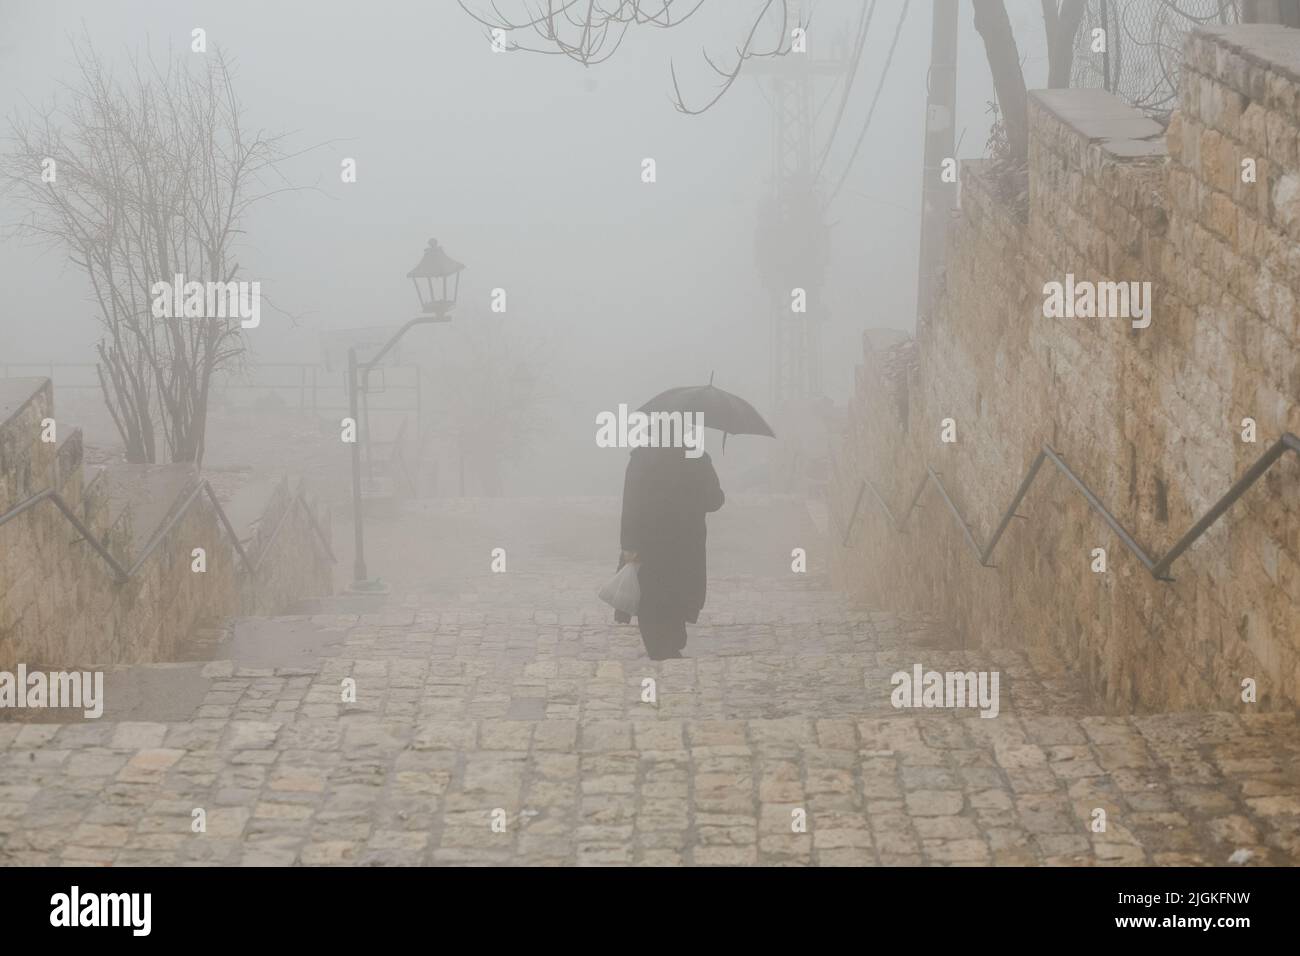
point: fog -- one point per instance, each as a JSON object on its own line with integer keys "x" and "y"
{"x": 527, "y": 169}
{"x": 334, "y": 529}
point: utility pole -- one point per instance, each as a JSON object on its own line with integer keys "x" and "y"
{"x": 792, "y": 245}
{"x": 792, "y": 249}
{"x": 938, "y": 197}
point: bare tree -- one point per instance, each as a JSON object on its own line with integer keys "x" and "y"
{"x": 1061, "y": 19}
{"x": 151, "y": 176}
{"x": 1008, "y": 78}
{"x": 590, "y": 32}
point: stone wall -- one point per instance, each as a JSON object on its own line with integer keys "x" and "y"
{"x": 1150, "y": 418}
{"x": 61, "y": 604}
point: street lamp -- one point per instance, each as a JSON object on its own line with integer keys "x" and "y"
{"x": 436, "y": 278}
{"x": 441, "y": 276}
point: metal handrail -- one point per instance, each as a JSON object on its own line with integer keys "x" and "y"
{"x": 1158, "y": 567}
{"x": 284, "y": 519}
{"x": 123, "y": 574}
{"x": 49, "y": 494}
{"x": 176, "y": 515}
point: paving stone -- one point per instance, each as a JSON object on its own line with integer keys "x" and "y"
{"x": 517, "y": 693}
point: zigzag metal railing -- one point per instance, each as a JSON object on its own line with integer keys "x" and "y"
{"x": 1158, "y": 567}
{"x": 124, "y": 574}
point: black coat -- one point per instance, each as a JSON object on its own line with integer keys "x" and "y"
{"x": 665, "y": 498}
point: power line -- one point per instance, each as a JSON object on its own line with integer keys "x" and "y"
{"x": 864, "y": 24}
{"x": 874, "y": 100}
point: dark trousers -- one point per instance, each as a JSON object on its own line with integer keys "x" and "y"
{"x": 663, "y": 629}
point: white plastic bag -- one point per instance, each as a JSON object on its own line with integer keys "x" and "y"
{"x": 622, "y": 592}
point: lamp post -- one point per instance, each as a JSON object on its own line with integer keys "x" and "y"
{"x": 436, "y": 278}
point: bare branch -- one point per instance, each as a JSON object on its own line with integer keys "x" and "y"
{"x": 155, "y": 169}
{"x": 591, "y": 31}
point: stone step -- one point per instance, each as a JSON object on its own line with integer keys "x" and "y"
{"x": 573, "y": 593}
{"x": 395, "y": 636}
{"x": 561, "y": 620}
{"x": 817, "y": 671}
{"x": 787, "y": 650}
{"x": 905, "y": 789}
{"x": 822, "y": 684}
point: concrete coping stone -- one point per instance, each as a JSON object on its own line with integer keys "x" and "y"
{"x": 1265, "y": 44}
{"x": 15, "y": 393}
{"x": 1104, "y": 119}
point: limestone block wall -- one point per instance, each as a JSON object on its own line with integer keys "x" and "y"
{"x": 1149, "y": 417}
{"x": 60, "y": 603}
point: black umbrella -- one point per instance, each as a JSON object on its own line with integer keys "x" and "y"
{"x": 729, "y": 414}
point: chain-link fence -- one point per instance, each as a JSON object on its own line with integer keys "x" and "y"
{"x": 1143, "y": 49}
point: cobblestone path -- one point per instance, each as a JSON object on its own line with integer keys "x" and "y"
{"x": 501, "y": 718}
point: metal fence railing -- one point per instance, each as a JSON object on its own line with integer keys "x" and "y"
{"x": 1143, "y": 50}
{"x": 314, "y": 387}
{"x": 123, "y": 573}
{"x": 1158, "y": 567}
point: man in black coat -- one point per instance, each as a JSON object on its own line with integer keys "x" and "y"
{"x": 665, "y": 498}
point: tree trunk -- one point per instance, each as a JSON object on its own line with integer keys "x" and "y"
{"x": 1008, "y": 80}
{"x": 1062, "y": 25}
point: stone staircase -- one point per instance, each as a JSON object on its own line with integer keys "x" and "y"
{"x": 96, "y": 561}
{"x": 501, "y": 719}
